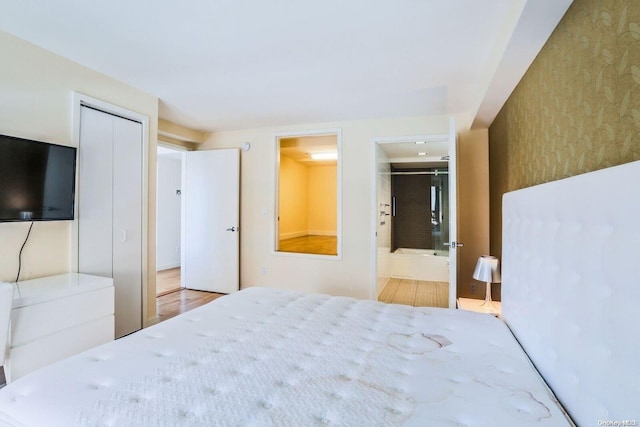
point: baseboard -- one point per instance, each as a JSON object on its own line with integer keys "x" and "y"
{"x": 322, "y": 233}
{"x": 293, "y": 235}
{"x": 285, "y": 236}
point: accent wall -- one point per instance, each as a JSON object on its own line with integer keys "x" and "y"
{"x": 576, "y": 110}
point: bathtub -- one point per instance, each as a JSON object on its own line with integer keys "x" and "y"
{"x": 419, "y": 264}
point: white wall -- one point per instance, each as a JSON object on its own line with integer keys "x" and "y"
{"x": 353, "y": 274}
{"x": 168, "y": 211}
{"x": 36, "y": 88}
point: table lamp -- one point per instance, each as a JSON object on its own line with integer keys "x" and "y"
{"x": 488, "y": 270}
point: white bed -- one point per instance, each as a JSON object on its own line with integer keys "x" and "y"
{"x": 268, "y": 357}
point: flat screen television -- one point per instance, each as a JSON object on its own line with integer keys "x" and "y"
{"x": 37, "y": 180}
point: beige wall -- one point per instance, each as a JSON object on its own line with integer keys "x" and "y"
{"x": 353, "y": 274}
{"x": 323, "y": 197}
{"x": 36, "y": 89}
{"x": 577, "y": 109}
{"x": 294, "y": 199}
{"x": 473, "y": 209}
{"x": 308, "y": 199}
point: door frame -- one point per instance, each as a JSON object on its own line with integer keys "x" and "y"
{"x": 78, "y": 101}
{"x": 451, "y": 137}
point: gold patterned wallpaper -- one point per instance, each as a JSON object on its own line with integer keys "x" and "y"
{"x": 577, "y": 109}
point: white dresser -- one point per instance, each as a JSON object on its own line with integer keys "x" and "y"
{"x": 56, "y": 317}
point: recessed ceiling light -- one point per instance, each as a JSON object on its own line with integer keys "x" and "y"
{"x": 421, "y": 142}
{"x": 329, "y": 155}
{"x": 422, "y": 154}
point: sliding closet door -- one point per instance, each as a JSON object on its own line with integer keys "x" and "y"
{"x": 110, "y": 209}
{"x": 127, "y": 224}
{"x": 95, "y": 195}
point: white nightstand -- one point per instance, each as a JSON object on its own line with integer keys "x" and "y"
{"x": 471, "y": 304}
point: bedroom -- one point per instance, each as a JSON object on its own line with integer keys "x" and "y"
{"x": 515, "y": 137}
{"x": 63, "y": 77}
{"x": 48, "y": 118}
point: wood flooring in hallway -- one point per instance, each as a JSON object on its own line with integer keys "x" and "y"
{"x": 167, "y": 281}
{"x": 181, "y": 301}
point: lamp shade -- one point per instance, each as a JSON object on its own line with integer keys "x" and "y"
{"x": 487, "y": 269}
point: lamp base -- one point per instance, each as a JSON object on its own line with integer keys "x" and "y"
{"x": 488, "y": 306}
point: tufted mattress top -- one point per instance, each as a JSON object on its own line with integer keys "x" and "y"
{"x": 265, "y": 357}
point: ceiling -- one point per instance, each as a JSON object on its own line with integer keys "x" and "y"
{"x": 230, "y": 64}
{"x": 300, "y": 148}
{"x": 433, "y": 149}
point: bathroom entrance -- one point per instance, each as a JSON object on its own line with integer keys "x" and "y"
{"x": 415, "y": 220}
{"x": 418, "y": 259}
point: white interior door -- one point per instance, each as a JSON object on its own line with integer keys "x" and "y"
{"x": 211, "y": 218}
{"x": 127, "y": 225}
{"x": 95, "y": 194}
{"x": 453, "y": 215}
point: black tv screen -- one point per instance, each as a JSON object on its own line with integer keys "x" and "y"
{"x": 37, "y": 180}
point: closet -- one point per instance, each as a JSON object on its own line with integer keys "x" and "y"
{"x": 110, "y": 209}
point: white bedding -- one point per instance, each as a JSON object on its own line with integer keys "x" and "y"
{"x": 263, "y": 357}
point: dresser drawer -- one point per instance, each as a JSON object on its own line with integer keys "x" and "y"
{"x": 36, "y": 321}
{"x": 59, "y": 345}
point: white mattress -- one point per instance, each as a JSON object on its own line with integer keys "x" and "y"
{"x": 264, "y": 357}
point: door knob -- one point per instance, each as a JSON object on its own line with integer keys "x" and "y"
{"x": 233, "y": 229}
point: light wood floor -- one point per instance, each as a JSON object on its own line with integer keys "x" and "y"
{"x": 181, "y": 301}
{"x": 167, "y": 281}
{"x": 417, "y": 293}
{"x": 321, "y": 245}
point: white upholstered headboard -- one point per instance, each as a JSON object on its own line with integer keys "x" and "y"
{"x": 571, "y": 288}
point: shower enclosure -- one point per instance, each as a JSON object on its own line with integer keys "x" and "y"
{"x": 420, "y": 210}
{"x": 419, "y": 224}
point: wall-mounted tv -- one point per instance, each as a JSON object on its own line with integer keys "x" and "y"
{"x": 37, "y": 180}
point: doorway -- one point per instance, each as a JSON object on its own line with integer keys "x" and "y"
{"x": 203, "y": 252}
{"x": 415, "y": 220}
{"x": 168, "y": 220}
